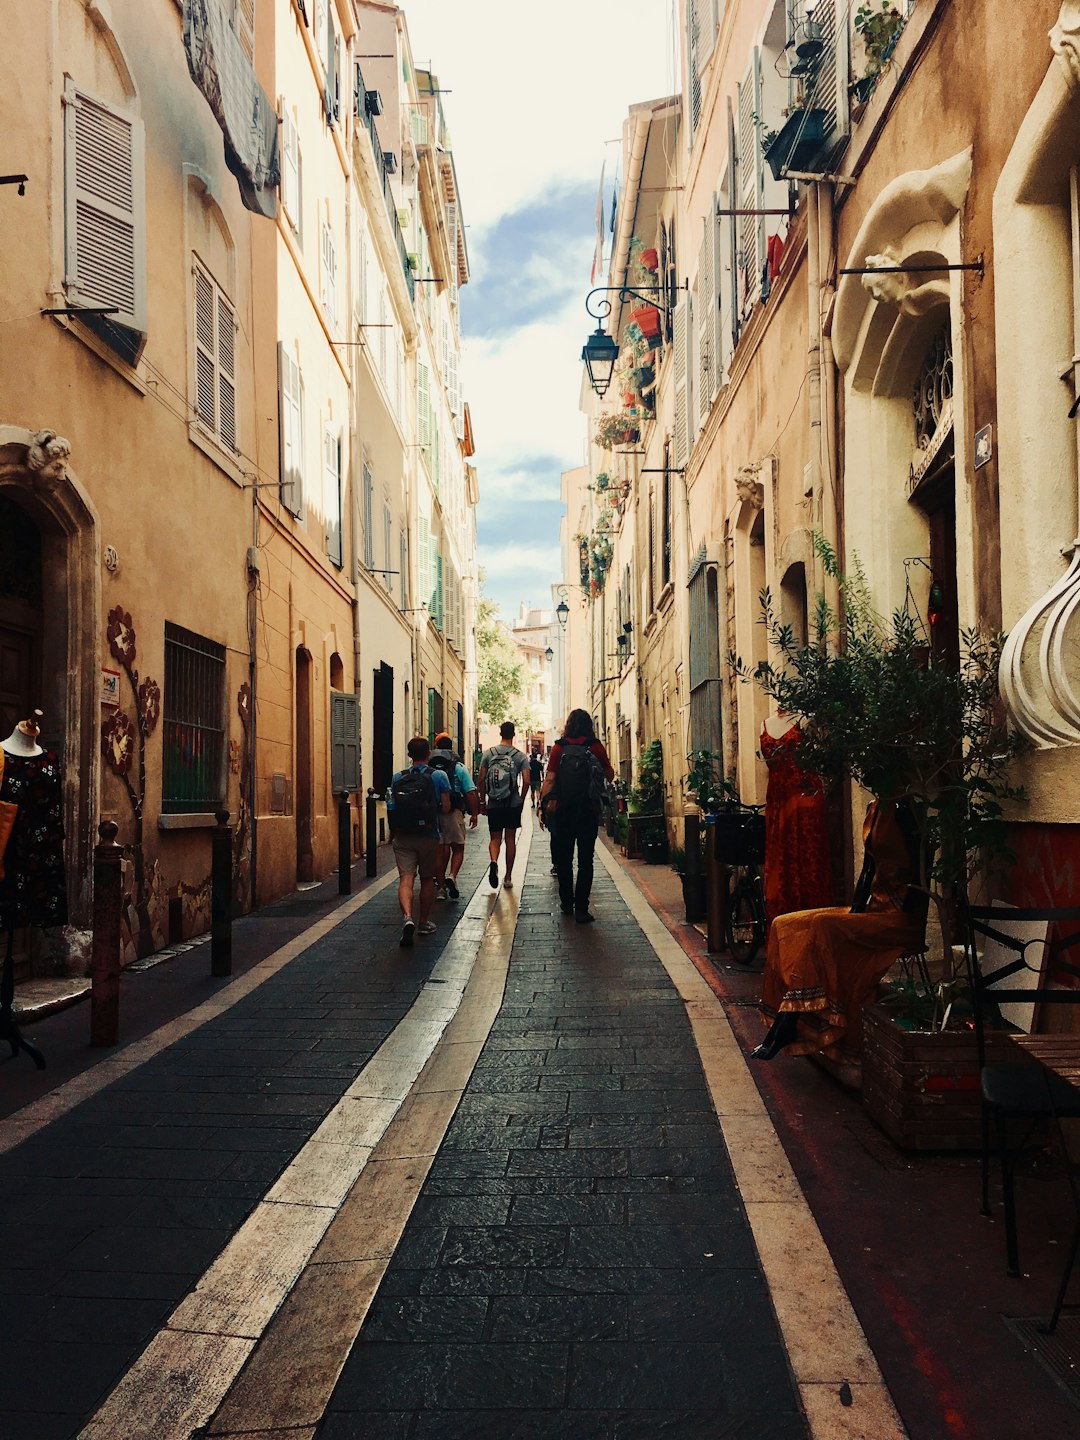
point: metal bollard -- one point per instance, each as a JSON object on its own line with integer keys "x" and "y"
{"x": 715, "y": 895}
{"x": 694, "y": 887}
{"x": 105, "y": 954}
{"x": 371, "y": 844}
{"x": 344, "y": 844}
{"x": 221, "y": 896}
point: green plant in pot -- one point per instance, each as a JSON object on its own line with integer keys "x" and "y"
{"x": 879, "y": 29}
{"x": 647, "y": 796}
{"x": 876, "y": 706}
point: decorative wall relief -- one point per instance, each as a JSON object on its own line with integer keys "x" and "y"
{"x": 123, "y": 744}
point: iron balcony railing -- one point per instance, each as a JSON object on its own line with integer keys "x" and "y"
{"x": 364, "y": 114}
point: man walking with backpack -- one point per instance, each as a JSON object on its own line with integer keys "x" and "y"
{"x": 578, "y": 769}
{"x": 419, "y": 798}
{"x": 504, "y": 788}
{"x": 452, "y": 827}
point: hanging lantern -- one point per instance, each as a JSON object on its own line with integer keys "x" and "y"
{"x": 935, "y": 605}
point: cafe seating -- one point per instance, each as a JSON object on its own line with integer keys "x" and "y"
{"x": 1021, "y": 959}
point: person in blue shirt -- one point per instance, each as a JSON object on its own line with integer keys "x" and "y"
{"x": 419, "y": 798}
{"x": 463, "y": 797}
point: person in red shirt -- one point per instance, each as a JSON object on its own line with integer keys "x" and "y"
{"x": 575, "y": 801}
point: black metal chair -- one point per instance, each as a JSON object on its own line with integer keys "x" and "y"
{"x": 1021, "y": 1091}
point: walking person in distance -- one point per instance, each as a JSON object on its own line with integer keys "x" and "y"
{"x": 573, "y": 795}
{"x": 536, "y": 776}
{"x": 463, "y": 797}
{"x": 419, "y": 798}
{"x": 504, "y": 787}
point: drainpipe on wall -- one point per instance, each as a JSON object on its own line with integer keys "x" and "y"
{"x": 830, "y": 453}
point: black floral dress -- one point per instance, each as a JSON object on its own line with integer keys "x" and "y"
{"x": 34, "y": 888}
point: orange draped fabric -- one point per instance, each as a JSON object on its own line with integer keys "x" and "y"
{"x": 823, "y": 965}
{"x": 798, "y": 874}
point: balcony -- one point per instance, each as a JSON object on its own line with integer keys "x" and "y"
{"x": 366, "y": 105}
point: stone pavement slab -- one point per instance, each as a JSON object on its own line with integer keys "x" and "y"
{"x": 115, "y": 1210}
{"x": 579, "y": 1262}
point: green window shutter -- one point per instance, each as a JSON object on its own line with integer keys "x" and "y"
{"x": 344, "y": 742}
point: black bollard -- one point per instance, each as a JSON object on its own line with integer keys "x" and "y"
{"x": 344, "y": 844}
{"x": 221, "y": 896}
{"x": 716, "y": 875}
{"x": 371, "y": 844}
{"x": 694, "y": 883}
{"x": 105, "y": 954}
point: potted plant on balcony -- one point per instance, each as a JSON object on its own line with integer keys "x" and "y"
{"x": 798, "y": 143}
{"x": 614, "y": 428}
{"x": 877, "y": 708}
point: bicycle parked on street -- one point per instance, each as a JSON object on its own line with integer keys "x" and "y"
{"x": 739, "y": 832}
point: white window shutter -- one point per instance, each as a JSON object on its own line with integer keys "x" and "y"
{"x": 243, "y": 22}
{"x": 290, "y": 409}
{"x": 759, "y": 168}
{"x": 833, "y": 73}
{"x": 721, "y": 299}
{"x": 425, "y": 561}
{"x": 332, "y": 492}
{"x": 205, "y": 349}
{"x": 707, "y": 22}
{"x": 749, "y": 172}
{"x": 693, "y": 64}
{"x": 679, "y": 346}
{"x": 105, "y": 231}
{"x": 706, "y": 304}
{"x": 423, "y": 407}
{"x": 226, "y": 357}
{"x": 369, "y": 517}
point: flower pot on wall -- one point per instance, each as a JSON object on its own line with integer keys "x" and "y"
{"x": 647, "y": 319}
{"x": 650, "y": 260}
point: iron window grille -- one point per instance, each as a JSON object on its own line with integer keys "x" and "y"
{"x": 193, "y": 760}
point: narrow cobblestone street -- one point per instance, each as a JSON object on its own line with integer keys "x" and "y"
{"x": 382, "y": 1195}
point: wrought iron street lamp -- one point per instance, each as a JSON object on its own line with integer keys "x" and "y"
{"x": 600, "y": 351}
{"x": 562, "y": 611}
{"x": 549, "y": 654}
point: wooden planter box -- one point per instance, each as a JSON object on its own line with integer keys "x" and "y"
{"x": 921, "y": 1089}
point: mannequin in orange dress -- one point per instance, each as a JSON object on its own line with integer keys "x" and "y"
{"x": 798, "y": 874}
{"x": 823, "y": 965}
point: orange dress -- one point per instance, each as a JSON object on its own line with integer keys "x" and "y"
{"x": 823, "y": 965}
{"x": 798, "y": 873}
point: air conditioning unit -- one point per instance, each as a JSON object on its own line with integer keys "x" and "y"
{"x": 373, "y": 101}
{"x": 389, "y": 160}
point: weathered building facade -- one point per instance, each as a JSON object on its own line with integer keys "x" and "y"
{"x": 871, "y": 320}
{"x": 214, "y": 583}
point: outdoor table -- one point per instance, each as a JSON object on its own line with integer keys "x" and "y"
{"x": 1059, "y": 1054}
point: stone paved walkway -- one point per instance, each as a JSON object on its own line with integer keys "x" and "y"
{"x": 579, "y": 1263}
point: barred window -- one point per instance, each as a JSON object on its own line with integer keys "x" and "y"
{"x": 193, "y": 760}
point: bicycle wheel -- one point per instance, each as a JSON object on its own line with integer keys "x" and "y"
{"x": 743, "y": 928}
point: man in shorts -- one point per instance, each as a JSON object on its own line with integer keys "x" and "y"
{"x": 536, "y": 776}
{"x": 504, "y": 788}
{"x": 463, "y": 798}
{"x": 419, "y": 799}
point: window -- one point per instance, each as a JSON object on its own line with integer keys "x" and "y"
{"x": 291, "y": 416}
{"x": 329, "y": 273}
{"x": 105, "y": 219}
{"x": 403, "y": 567}
{"x": 292, "y": 174}
{"x": 241, "y": 15}
{"x": 332, "y": 492}
{"x": 369, "y": 518}
{"x": 665, "y": 554}
{"x": 215, "y": 359}
{"x": 388, "y": 562}
{"x": 193, "y": 749}
{"x": 423, "y": 407}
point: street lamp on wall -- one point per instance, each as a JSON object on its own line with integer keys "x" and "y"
{"x": 601, "y": 351}
{"x": 549, "y": 654}
{"x": 562, "y": 611}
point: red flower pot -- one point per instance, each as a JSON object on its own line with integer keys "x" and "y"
{"x": 647, "y": 318}
{"x": 651, "y": 260}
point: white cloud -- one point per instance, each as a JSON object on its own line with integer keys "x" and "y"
{"x": 537, "y": 90}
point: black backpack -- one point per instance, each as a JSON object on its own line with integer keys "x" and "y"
{"x": 579, "y": 780}
{"x": 447, "y": 762}
{"x": 415, "y": 808}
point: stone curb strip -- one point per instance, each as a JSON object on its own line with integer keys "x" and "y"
{"x": 826, "y": 1347}
{"x": 324, "y": 1223}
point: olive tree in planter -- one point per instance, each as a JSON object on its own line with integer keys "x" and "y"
{"x": 876, "y": 706}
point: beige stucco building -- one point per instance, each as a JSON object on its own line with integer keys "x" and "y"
{"x": 873, "y": 347}
{"x": 215, "y": 432}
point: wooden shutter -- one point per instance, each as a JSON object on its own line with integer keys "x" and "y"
{"x": 105, "y": 231}
{"x": 332, "y": 492}
{"x": 403, "y": 567}
{"x": 682, "y": 447}
{"x": 732, "y": 228}
{"x": 388, "y": 562}
{"x": 439, "y": 596}
{"x": 424, "y": 559}
{"x": 226, "y": 358}
{"x": 828, "y": 88}
{"x": 290, "y": 170}
{"x": 369, "y": 517}
{"x": 205, "y": 348}
{"x": 329, "y": 272}
{"x": 291, "y": 424}
{"x": 243, "y": 22}
{"x": 751, "y": 254}
{"x": 721, "y": 300}
{"x": 706, "y": 303}
{"x": 693, "y": 62}
{"x": 423, "y": 407}
{"x": 344, "y": 742}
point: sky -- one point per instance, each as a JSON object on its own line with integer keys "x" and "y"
{"x": 535, "y": 94}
